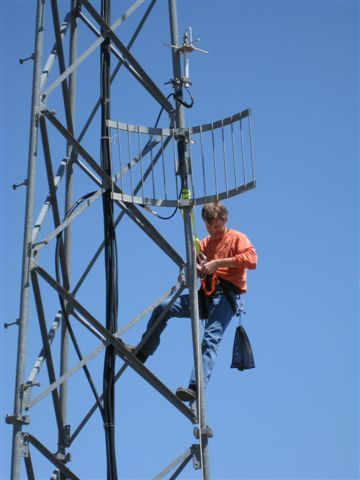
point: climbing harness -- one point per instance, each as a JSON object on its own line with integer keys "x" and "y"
{"x": 209, "y": 284}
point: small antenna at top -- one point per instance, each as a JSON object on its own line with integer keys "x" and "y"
{"x": 186, "y": 48}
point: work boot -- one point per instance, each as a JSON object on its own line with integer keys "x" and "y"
{"x": 187, "y": 394}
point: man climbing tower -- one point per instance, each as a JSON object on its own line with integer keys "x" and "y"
{"x": 225, "y": 256}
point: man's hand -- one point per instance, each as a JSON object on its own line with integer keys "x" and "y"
{"x": 208, "y": 268}
{"x": 200, "y": 262}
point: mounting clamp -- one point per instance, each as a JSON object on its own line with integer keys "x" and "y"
{"x": 195, "y": 450}
{"x": 206, "y": 432}
{"x": 67, "y": 436}
{"x": 17, "y": 419}
{"x": 24, "y": 445}
{"x": 64, "y": 458}
{"x": 26, "y": 393}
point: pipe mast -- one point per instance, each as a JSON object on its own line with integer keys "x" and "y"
{"x": 184, "y": 171}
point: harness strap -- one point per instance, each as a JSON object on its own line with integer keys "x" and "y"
{"x": 209, "y": 285}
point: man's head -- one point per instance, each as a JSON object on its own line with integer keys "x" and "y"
{"x": 215, "y": 216}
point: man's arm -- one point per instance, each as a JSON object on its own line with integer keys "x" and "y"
{"x": 246, "y": 258}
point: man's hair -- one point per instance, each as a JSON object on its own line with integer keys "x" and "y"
{"x": 214, "y": 211}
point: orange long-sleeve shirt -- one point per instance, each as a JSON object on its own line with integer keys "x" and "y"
{"x": 234, "y": 245}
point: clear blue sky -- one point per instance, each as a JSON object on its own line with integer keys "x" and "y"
{"x": 296, "y": 415}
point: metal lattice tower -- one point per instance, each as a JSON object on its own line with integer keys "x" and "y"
{"x": 178, "y": 166}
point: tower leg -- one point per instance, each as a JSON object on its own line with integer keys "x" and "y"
{"x": 17, "y": 442}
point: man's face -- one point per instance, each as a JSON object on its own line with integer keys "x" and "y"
{"x": 216, "y": 228}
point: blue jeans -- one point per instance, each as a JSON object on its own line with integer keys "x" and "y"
{"x": 220, "y": 313}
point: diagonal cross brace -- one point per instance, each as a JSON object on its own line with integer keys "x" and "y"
{"x": 62, "y": 67}
{"x": 50, "y": 456}
{"x": 47, "y": 203}
{"x": 120, "y": 63}
{"x": 135, "y": 67}
{"x": 29, "y": 466}
{"x": 93, "y": 354}
{"x": 120, "y": 348}
{"x": 93, "y": 47}
{"x": 131, "y": 210}
{"x": 183, "y": 460}
{"x": 48, "y": 356}
{"x": 41, "y": 356}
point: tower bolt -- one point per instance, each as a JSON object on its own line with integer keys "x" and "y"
{"x": 24, "y": 183}
{"x": 17, "y": 322}
{"x": 23, "y": 60}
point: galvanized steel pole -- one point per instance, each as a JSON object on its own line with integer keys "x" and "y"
{"x": 189, "y": 241}
{"x": 17, "y": 442}
{"x": 71, "y": 156}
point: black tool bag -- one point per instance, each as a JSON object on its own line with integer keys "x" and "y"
{"x": 242, "y": 357}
